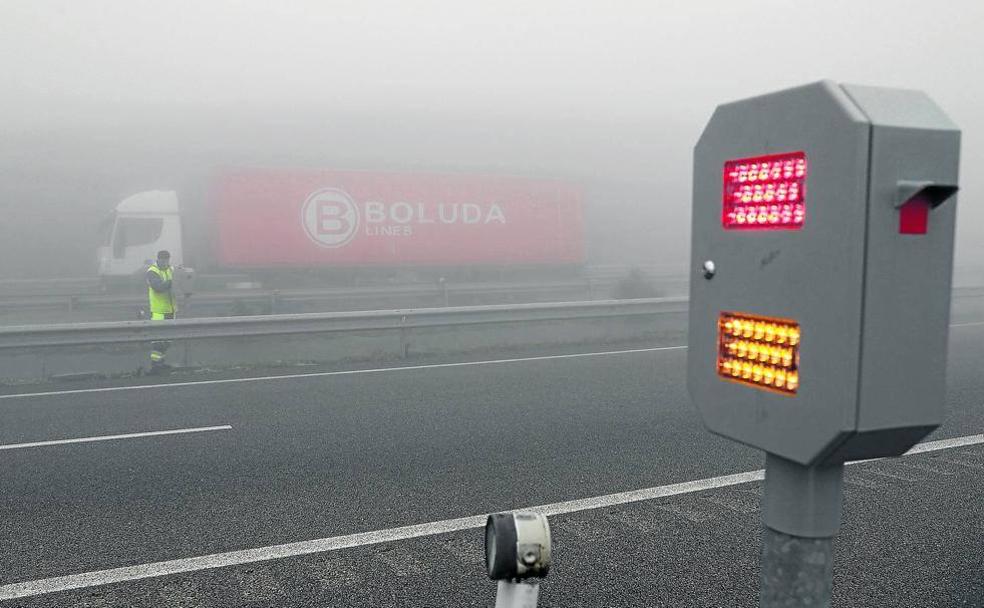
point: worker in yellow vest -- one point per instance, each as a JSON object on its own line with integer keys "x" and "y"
{"x": 160, "y": 292}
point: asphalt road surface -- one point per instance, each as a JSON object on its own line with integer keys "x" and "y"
{"x": 296, "y": 491}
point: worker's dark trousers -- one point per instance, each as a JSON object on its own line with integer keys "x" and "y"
{"x": 159, "y": 349}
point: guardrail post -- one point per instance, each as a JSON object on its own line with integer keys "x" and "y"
{"x": 446, "y": 298}
{"x": 185, "y": 311}
{"x": 404, "y": 338}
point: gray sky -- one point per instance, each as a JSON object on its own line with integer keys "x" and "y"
{"x": 636, "y": 61}
{"x": 629, "y": 85}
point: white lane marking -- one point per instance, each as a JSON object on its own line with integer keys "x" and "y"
{"x": 975, "y": 323}
{"x": 349, "y": 372}
{"x": 935, "y": 446}
{"x": 335, "y": 543}
{"x": 38, "y": 444}
{"x": 946, "y": 444}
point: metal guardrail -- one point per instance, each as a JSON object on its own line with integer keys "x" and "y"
{"x": 274, "y": 298}
{"x": 87, "y": 334}
{"x": 288, "y": 295}
{"x": 85, "y": 286}
{"x": 83, "y": 334}
{"x": 600, "y": 283}
{"x": 49, "y": 287}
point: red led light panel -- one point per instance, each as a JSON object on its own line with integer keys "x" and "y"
{"x": 765, "y": 192}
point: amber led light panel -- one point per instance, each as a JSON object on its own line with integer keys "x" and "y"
{"x": 759, "y": 351}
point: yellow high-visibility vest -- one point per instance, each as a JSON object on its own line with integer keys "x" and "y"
{"x": 161, "y": 303}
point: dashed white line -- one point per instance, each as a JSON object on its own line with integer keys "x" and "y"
{"x": 38, "y": 444}
{"x": 349, "y": 372}
{"x": 335, "y": 543}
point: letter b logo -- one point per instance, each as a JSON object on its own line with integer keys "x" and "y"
{"x": 330, "y": 217}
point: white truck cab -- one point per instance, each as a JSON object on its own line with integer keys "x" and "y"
{"x": 140, "y": 226}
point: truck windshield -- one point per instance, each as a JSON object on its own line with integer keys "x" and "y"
{"x": 136, "y": 231}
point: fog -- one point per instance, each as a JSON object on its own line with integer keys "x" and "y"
{"x": 103, "y": 99}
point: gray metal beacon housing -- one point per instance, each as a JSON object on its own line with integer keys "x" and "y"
{"x": 827, "y": 215}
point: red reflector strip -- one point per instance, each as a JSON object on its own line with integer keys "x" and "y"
{"x": 765, "y": 192}
{"x": 759, "y": 351}
{"x": 914, "y": 217}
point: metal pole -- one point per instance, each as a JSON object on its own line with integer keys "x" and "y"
{"x": 511, "y": 594}
{"x": 796, "y": 571}
{"x": 801, "y": 512}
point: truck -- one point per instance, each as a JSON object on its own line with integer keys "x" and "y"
{"x": 272, "y": 222}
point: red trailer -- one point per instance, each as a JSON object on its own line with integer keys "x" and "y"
{"x": 255, "y": 219}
